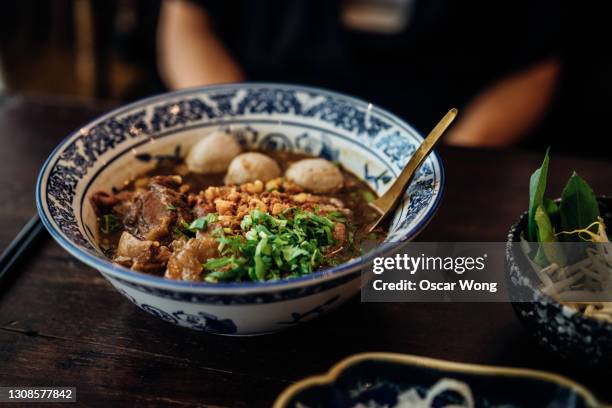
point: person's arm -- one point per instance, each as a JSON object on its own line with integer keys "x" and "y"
{"x": 189, "y": 52}
{"x": 502, "y": 114}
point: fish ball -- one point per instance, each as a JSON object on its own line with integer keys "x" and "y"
{"x": 213, "y": 153}
{"x": 248, "y": 167}
{"x": 316, "y": 175}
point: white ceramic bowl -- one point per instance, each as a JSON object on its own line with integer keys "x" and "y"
{"x": 370, "y": 142}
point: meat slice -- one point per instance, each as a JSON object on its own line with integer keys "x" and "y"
{"x": 339, "y": 233}
{"x": 104, "y": 202}
{"x": 154, "y": 211}
{"x": 186, "y": 261}
{"x": 101, "y": 200}
{"x": 139, "y": 255}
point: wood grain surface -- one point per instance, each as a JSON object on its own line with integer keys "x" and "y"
{"x": 62, "y": 324}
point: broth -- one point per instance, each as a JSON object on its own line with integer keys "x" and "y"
{"x": 158, "y": 221}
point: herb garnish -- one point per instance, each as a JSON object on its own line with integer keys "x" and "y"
{"x": 202, "y": 223}
{"x": 576, "y": 217}
{"x": 110, "y": 224}
{"x": 291, "y": 244}
{"x": 199, "y": 224}
{"x": 368, "y": 196}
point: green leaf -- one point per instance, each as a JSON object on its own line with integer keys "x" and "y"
{"x": 548, "y": 251}
{"x": 225, "y": 276}
{"x": 260, "y": 267}
{"x": 216, "y": 263}
{"x": 292, "y": 252}
{"x": 552, "y": 209}
{"x": 336, "y": 216}
{"x": 198, "y": 224}
{"x": 537, "y": 187}
{"x": 201, "y": 223}
{"x": 368, "y": 196}
{"x": 578, "y": 208}
{"x": 170, "y": 207}
{"x": 110, "y": 224}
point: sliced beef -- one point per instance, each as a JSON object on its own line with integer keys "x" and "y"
{"x": 186, "y": 261}
{"x": 340, "y": 237}
{"x": 153, "y": 211}
{"x": 141, "y": 255}
{"x": 105, "y": 203}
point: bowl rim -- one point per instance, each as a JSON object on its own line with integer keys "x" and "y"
{"x": 434, "y": 364}
{"x": 107, "y": 267}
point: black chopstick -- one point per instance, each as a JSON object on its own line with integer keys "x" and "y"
{"x": 20, "y": 243}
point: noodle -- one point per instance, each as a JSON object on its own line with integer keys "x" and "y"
{"x": 585, "y": 285}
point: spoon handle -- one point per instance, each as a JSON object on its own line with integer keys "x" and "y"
{"x": 388, "y": 201}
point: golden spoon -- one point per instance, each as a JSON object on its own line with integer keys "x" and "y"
{"x": 388, "y": 201}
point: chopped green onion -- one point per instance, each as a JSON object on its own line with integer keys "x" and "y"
{"x": 216, "y": 263}
{"x": 291, "y": 244}
{"x": 201, "y": 223}
{"x": 198, "y": 224}
{"x": 336, "y": 216}
{"x": 368, "y": 196}
{"x": 110, "y": 224}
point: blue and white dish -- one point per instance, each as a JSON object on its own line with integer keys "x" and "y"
{"x": 370, "y": 142}
{"x": 558, "y": 328}
{"x": 379, "y": 379}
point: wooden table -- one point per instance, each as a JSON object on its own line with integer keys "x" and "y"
{"x": 62, "y": 324}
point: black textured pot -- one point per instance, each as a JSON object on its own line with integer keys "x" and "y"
{"x": 559, "y": 329}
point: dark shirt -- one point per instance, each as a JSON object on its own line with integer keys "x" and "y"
{"x": 448, "y": 52}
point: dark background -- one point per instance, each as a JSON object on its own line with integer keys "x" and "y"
{"x": 105, "y": 49}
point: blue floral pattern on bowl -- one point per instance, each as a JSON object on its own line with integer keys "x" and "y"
{"x": 368, "y": 141}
